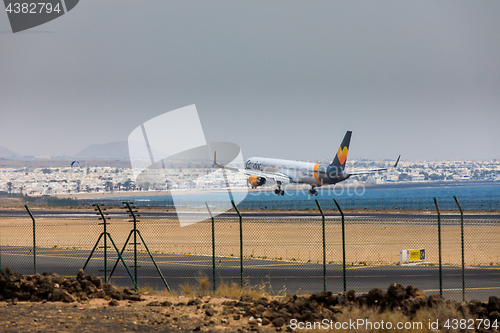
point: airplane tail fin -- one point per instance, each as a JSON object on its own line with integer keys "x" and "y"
{"x": 341, "y": 157}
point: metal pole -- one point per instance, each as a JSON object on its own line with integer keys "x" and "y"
{"x": 343, "y": 244}
{"x": 105, "y": 232}
{"x": 93, "y": 249}
{"x": 136, "y": 231}
{"x": 121, "y": 252}
{"x": 34, "y": 238}
{"x": 123, "y": 261}
{"x": 324, "y": 244}
{"x": 213, "y": 246}
{"x": 135, "y": 238}
{"x": 154, "y": 262}
{"x": 135, "y": 246}
{"x": 241, "y": 244}
{"x": 462, "y": 236}
{"x": 439, "y": 244}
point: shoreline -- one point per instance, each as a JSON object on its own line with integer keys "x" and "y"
{"x": 408, "y": 185}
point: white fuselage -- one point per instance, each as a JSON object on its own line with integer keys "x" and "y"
{"x": 299, "y": 172}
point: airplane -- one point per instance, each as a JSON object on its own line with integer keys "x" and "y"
{"x": 260, "y": 169}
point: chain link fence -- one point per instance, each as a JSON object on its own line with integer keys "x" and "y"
{"x": 282, "y": 253}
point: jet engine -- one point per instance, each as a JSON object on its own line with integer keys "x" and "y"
{"x": 256, "y": 181}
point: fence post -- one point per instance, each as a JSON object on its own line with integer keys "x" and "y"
{"x": 34, "y": 238}
{"x": 105, "y": 244}
{"x": 324, "y": 244}
{"x": 462, "y": 236}
{"x": 213, "y": 245}
{"x": 105, "y": 234}
{"x": 343, "y": 244}
{"x": 136, "y": 232}
{"x": 439, "y": 245}
{"x": 241, "y": 244}
{"x": 135, "y": 239}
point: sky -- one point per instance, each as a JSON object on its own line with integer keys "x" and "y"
{"x": 282, "y": 79}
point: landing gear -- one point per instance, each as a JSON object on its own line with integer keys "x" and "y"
{"x": 279, "y": 191}
{"x": 313, "y": 191}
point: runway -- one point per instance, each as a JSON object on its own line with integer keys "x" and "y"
{"x": 277, "y": 277}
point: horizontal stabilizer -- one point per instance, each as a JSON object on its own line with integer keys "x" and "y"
{"x": 370, "y": 171}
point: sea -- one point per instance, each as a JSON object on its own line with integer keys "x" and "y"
{"x": 470, "y": 195}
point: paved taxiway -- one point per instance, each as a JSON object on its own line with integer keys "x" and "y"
{"x": 277, "y": 276}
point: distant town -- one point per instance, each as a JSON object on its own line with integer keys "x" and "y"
{"x": 88, "y": 178}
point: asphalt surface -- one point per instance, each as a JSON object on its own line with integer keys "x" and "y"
{"x": 277, "y": 277}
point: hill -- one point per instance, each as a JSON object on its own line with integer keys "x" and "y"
{"x": 7, "y": 153}
{"x": 112, "y": 150}
{"x": 116, "y": 151}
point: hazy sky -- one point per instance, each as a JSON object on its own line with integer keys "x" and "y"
{"x": 281, "y": 79}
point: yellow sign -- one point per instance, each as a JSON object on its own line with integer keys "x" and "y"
{"x": 417, "y": 255}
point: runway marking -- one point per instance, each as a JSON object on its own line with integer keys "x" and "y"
{"x": 481, "y": 267}
{"x": 207, "y": 263}
{"x": 297, "y": 277}
{"x": 198, "y": 263}
{"x": 360, "y": 267}
{"x": 466, "y": 289}
{"x": 112, "y": 256}
{"x": 232, "y": 277}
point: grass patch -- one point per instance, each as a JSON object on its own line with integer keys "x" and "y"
{"x": 203, "y": 287}
{"x": 233, "y": 290}
{"x": 419, "y": 322}
{"x": 148, "y": 290}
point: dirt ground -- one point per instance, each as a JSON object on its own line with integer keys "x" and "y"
{"x": 154, "y": 314}
{"x": 217, "y": 314}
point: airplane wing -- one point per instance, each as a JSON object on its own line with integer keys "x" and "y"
{"x": 370, "y": 171}
{"x": 277, "y": 177}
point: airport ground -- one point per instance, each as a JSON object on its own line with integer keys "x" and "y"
{"x": 272, "y": 276}
{"x": 282, "y": 256}
{"x": 281, "y": 251}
